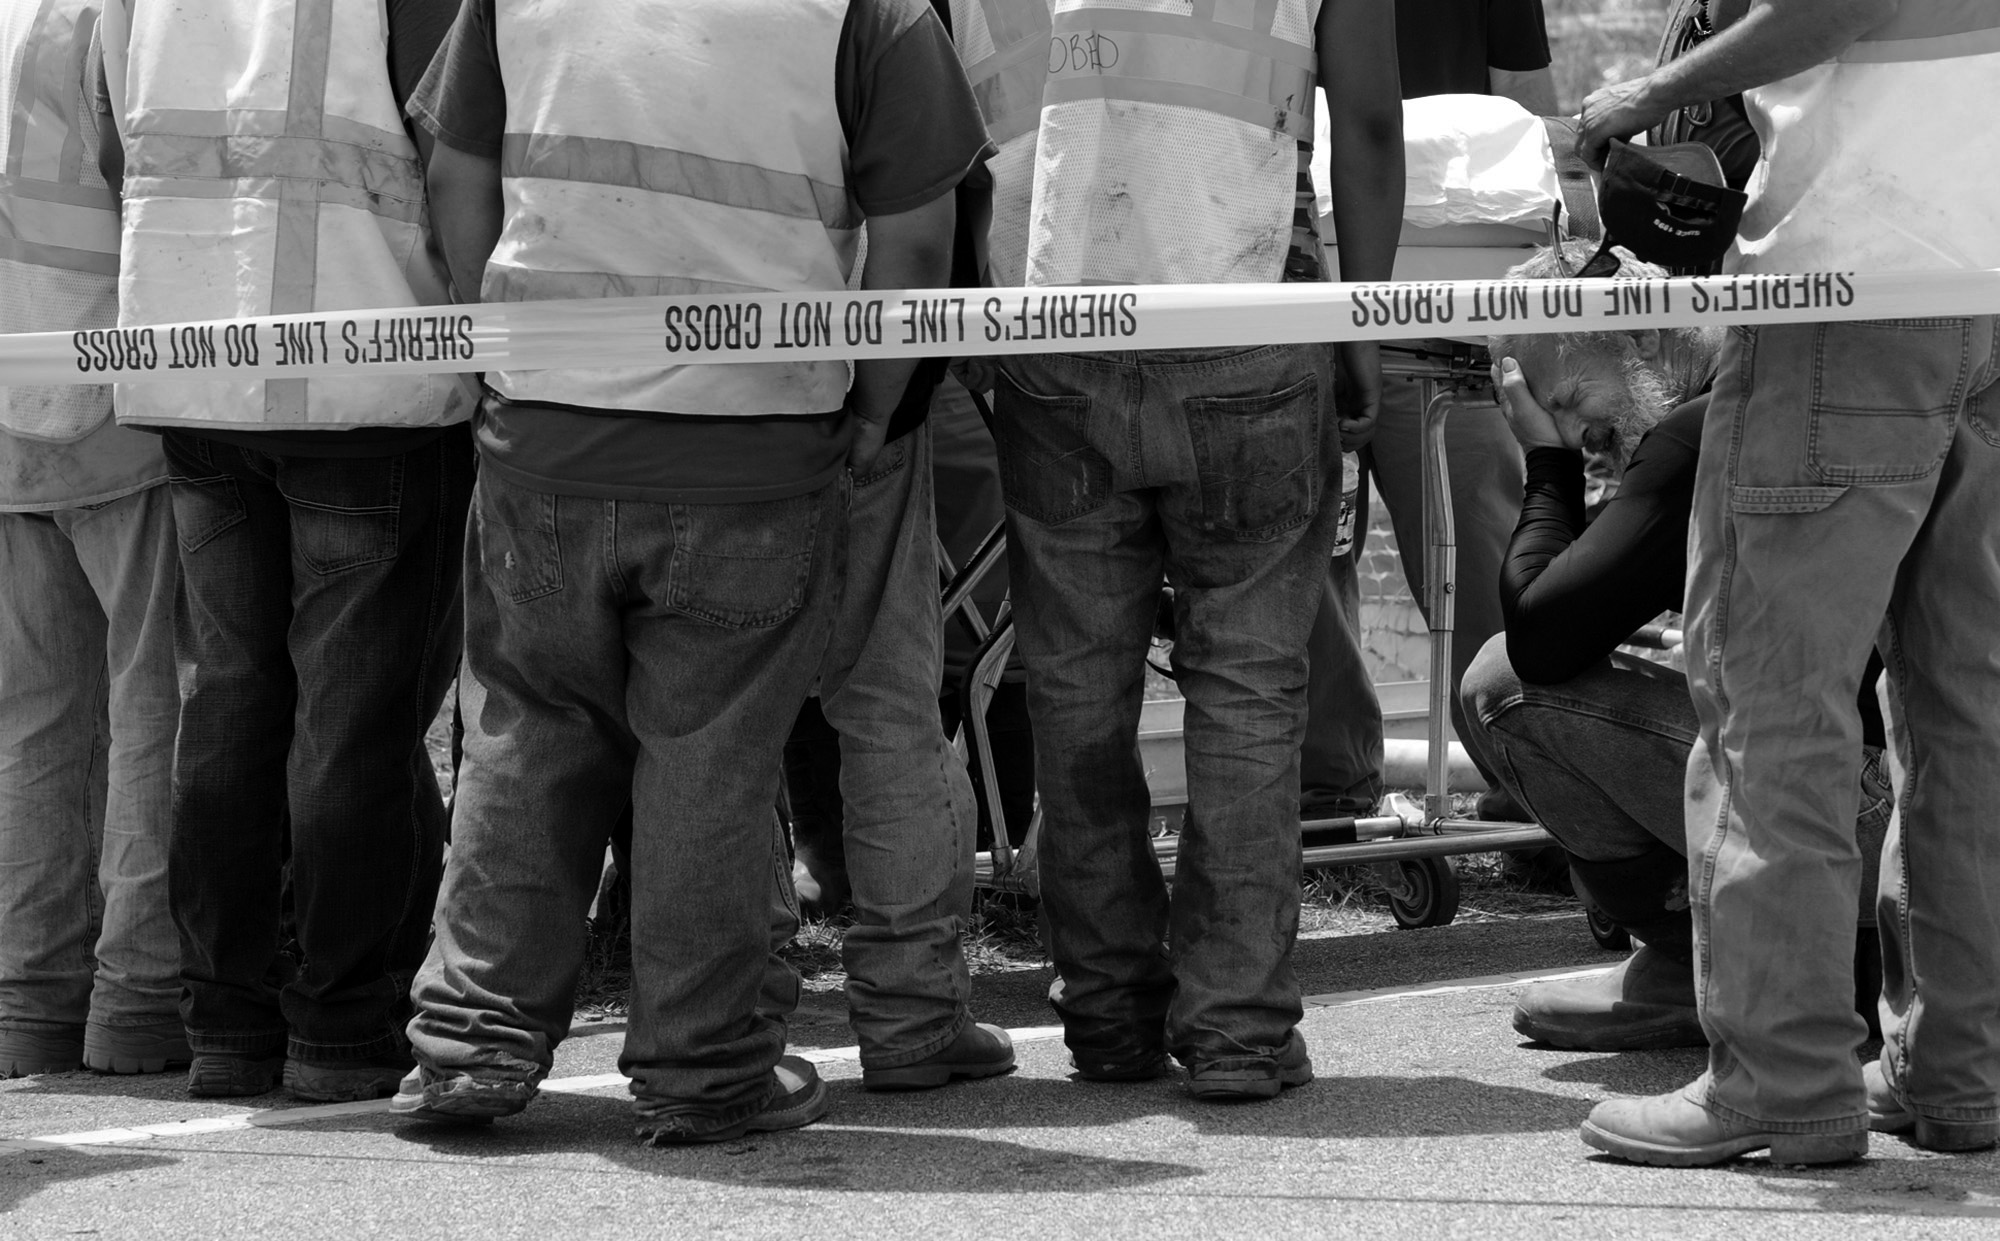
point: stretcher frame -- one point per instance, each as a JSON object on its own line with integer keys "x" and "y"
{"x": 1411, "y": 844}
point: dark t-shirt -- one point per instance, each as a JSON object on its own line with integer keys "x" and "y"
{"x": 913, "y": 132}
{"x": 1444, "y": 47}
{"x": 1571, "y": 595}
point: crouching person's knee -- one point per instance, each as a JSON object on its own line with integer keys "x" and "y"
{"x": 1490, "y": 684}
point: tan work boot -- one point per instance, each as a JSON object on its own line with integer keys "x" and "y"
{"x": 1645, "y": 1004}
{"x": 1673, "y": 1131}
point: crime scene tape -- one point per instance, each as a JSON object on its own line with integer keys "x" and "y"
{"x": 681, "y": 330}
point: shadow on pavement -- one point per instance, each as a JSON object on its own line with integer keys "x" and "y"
{"x": 1889, "y": 1183}
{"x": 841, "y": 1153}
{"x": 24, "y": 1174}
{"x": 1626, "y": 1072}
{"x": 1333, "y": 1107}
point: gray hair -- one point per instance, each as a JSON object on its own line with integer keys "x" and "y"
{"x": 1687, "y": 354}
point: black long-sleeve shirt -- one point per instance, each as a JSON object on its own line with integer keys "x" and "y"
{"x": 1571, "y": 595}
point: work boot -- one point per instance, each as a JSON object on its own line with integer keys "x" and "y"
{"x": 1646, "y": 1003}
{"x": 1887, "y": 1114}
{"x": 1673, "y": 1131}
{"x": 978, "y": 1051}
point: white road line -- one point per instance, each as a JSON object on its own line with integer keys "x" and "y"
{"x": 272, "y": 1118}
{"x": 1488, "y": 982}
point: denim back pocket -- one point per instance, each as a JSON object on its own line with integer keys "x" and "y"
{"x": 206, "y": 501}
{"x": 346, "y": 512}
{"x": 519, "y": 554}
{"x": 1257, "y": 460}
{"x": 1884, "y": 397}
{"x": 1048, "y": 470}
{"x": 743, "y": 566}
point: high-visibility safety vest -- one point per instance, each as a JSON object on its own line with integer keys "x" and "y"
{"x": 1169, "y": 144}
{"x": 1005, "y": 47}
{"x": 58, "y": 220}
{"x": 267, "y": 172}
{"x": 58, "y": 262}
{"x": 675, "y": 148}
{"x": 1886, "y": 158}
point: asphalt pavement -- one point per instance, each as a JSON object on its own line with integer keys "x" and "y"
{"x": 1429, "y": 1118}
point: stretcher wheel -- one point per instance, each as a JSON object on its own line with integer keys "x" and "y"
{"x": 1425, "y": 894}
{"x": 1609, "y": 935}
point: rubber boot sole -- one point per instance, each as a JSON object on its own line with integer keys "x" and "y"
{"x": 930, "y": 1076}
{"x": 24, "y": 1053}
{"x": 1787, "y": 1148}
{"x": 464, "y": 1101}
{"x": 321, "y": 1083}
{"x": 218, "y": 1076}
{"x": 1654, "y": 1031}
{"x": 808, "y": 1107}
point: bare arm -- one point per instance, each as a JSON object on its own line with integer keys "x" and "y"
{"x": 1773, "y": 39}
{"x": 1533, "y": 89}
{"x": 465, "y": 212}
{"x": 908, "y": 250}
{"x": 1364, "y": 96}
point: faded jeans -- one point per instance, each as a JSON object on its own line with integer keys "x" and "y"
{"x": 86, "y": 755}
{"x": 1205, "y": 468}
{"x": 906, "y": 805}
{"x": 1601, "y": 759}
{"x": 318, "y": 629}
{"x": 1849, "y": 471}
{"x": 626, "y": 652}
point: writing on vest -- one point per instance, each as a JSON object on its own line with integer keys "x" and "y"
{"x": 268, "y": 172}
{"x": 1169, "y": 143}
{"x": 664, "y": 149}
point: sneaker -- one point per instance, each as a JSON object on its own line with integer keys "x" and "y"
{"x": 347, "y": 1081}
{"x": 1645, "y": 1004}
{"x": 1240, "y": 1079}
{"x": 978, "y": 1051}
{"x": 149, "y": 1048}
{"x": 797, "y": 1098}
{"x": 1673, "y": 1131}
{"x": 26, "y": 1050}
{"x": 454, "y": 1096}
{"x": 1887, "y": 1114}
{"x": 231, "y": 1075}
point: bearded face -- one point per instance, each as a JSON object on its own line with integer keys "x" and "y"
{"x": 1603, "y": 395}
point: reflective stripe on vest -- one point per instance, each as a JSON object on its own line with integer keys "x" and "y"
{"x": 255, "y": 134}
{"x": 1211, "y": 61}
{"x": 1930, "y": 30}
{"x": 1008, "y": 84}
{"x": 662, "y": 149}
{"x": 47, "y": 216}
{"x": 662, "y": 170}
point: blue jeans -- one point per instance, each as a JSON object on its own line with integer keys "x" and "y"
{"x": 1601, "y": 759}
{"x": 86, "y": 758}
{"x": 619, "y": 651}
{"x": 317, "y": 631}
{"x": 906, "y": 812}
{"x": 1849, "y": 472}
{"x": 1205, "y": 468}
